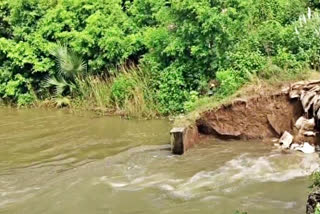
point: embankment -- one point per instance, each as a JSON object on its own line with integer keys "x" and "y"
{"x": 262, "y": 116}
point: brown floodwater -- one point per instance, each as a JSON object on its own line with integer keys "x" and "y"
{"x": 53, "y": 162}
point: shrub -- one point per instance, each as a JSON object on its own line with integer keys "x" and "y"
{"x": 15, "y": 89}
{"x": 281, "y": 11}
{"x": 230, "y": 81}
{"x": 315, "y": 179}
{"x": 25, "y": 99}
{"x": 98, "y": 30}
{"x": 305, "y": 41}
{"x": 121, "y": 90}
{"x": 183, "y": 44}
{"x": 172, "y": 91}
{"x": 192, "y": 99}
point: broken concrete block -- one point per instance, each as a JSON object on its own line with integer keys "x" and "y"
{"x": 177, "y": 137}
{"x": 305, "y": 124}
{"x": 293, "y": 94}
{"x": 286, "y": 140}
{"x": 309, "y": 134}
{"x": 305, "y": 100}
{"x": 312, "y": 102}
{"x": 316, "y": 106}
{"x": 306, "y": 148}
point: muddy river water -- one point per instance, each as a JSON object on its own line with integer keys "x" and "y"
{"x": 53, "y": 162}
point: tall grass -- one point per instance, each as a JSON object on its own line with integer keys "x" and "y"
{"x": 94, "y": 92}
{"x": 127, "y": 92}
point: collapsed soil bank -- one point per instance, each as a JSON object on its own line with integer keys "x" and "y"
{"x": 254, "y": 118}
{"x": 257, "y": 117}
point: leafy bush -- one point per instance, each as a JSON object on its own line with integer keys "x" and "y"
{"x": 305, "y": 41}
{"x": 121, "y": 90}
{"x": 192, "y": 100}
{"x": 183, "y": 44}
{"x": 172, "y": 92}
{"x": 281, "y": 11}
{"x": 230, "y": 81}
{"x": 15, "y": 89}
{"x": 317, "y": 211}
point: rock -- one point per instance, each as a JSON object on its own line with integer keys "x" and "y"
{"x": 298, "y": 85}
{"x": 305, "y": 124}
{"x": 300, "y": 122}
{"x": 306, "y": 98}
{"x": 317, "y": 120}
{"x": 293, "y": 94}
{"x": 318, "y": 115}
{"x": 312, "y": 102}
{"x": 314, "y": 82}
{"x": 309, "y": 134}
{"x": 286, "y": 140}
{"x": 315, "y": 88}
{"x": 306, "y": 148}
{"x": 316, "y": 106}
{"x": 313, "y": 200}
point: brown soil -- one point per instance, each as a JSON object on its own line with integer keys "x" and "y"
{"x": 260, "y": 113}
{"x": 264, "y": 116}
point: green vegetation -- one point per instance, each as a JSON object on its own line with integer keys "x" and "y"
{"x": 315, "y": 179}
{"x": 317, "y": 209}
{"x": 238, "y": 212}
{"x": 315, "y": 185}
{"x": 150, "y": 57}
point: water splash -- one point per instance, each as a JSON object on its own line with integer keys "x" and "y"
{"x": 236, "y": 173}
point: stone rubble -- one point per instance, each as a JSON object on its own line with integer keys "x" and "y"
{"x": 306, "y": 148}
{"x": 306, "y": 133}
{"x": 286, "y": 140}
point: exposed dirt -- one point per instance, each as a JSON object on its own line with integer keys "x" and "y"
{"x": 263, "y": 116}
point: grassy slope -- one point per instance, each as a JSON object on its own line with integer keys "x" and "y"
{"x": 255, "y": 87}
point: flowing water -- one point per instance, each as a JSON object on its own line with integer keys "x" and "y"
{"x": 54, "y": 163}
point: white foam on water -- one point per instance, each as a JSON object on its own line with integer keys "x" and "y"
{"x": 234, "y": 174}
{"x": 245, "y": 169}
{"x": 9, "y": 197}
{"x": 271, "y": 168}
{"x": 117, "y": 185}
{"x": 166, "y": 187}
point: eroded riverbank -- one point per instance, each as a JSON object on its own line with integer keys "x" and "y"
{"x": 53, "y": 162}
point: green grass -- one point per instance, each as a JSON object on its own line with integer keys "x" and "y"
{"x": 127, "y": 93}
{"x": 255, "y": 87}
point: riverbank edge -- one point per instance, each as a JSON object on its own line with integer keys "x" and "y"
{"x": 257, "y": 87}
{"x": 194, "y": 124}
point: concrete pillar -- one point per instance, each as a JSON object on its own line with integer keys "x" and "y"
{"x": 177, "y": 138}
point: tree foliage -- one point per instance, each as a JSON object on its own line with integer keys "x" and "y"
{"x": 183, "y": 44}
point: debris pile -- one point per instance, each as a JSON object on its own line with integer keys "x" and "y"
{"x": 306, "y": 129}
